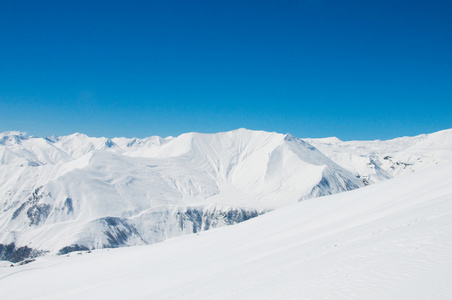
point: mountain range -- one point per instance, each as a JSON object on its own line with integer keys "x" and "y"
{"x": 70, "y": 193}
{"x": 389, "y": 240}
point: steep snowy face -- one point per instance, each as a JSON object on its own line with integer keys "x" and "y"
{"x": 76, "y": 192}
{"x": 373, "y": 161}
{"x": 77, "y": 144}
{"x": 18, "y": 150}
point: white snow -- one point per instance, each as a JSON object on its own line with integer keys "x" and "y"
{"x": 58, "y": 191}
{"x": 378, "y": 160}
{"x": 390, "y": 240}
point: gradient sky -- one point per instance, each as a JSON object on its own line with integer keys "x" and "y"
{"x": 314, "y": 68}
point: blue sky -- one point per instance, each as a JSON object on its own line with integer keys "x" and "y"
{"x": 314, "y": 68}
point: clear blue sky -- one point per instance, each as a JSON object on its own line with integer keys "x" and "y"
{"x": 314, "y": 68}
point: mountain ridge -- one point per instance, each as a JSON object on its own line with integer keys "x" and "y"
{"x": 375, "y": 161}
{"x": 390, "y": 240}
{"x": 77, "y": 192}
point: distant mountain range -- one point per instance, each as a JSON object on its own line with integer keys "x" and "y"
{"x": 60, "y": 194}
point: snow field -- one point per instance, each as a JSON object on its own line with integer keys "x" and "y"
{"x": 391, "y": 240}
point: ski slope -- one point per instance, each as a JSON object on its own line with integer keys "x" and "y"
{"x": 390, "y": 240}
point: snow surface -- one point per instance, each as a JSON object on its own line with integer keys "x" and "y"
{"x": 375, "y": 161}
{"x": 390, "y": 240}
{"x": 77, "y": 191}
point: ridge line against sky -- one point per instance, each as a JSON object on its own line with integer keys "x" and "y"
{"x": 357, "y": 70}
{"x": 26, "y": 135}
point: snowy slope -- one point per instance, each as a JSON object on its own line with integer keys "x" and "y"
{"x": 390, "y": 240}
{"x": 60, "y": 194}
{"x": 374, "y": 161}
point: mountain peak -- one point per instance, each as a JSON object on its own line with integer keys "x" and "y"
{"x": 12, "y": 137}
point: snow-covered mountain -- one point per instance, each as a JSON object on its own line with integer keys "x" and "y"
{"x": 60, "y": 194}
{"x": 374, "y": 161}
{"x": 390, "y": 240}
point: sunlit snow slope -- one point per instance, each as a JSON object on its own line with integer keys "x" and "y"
{"x": 61, "y": 194}
{"x": 390, "y": 240}
{"x": 374, "y": 161}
